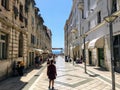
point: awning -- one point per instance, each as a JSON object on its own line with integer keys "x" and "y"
{"x": 40, "y": 51}
{"x": 86, "y": 44}
{"x": 96, "y": 43}
{"x": 46, "y": 52}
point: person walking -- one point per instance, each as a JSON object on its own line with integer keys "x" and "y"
{"x": 37, "y": 61}
{"x": 51, "y": 73}
{"x": 48, "y": 62}
{"x": 20, "y": 68}
{"x": 41, "y": 60}
{"x": 54, "y": 58}
{"x": 81, "y": 58}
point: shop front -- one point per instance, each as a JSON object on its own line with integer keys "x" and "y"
{"x": 96, "y": 52}
{"x": 116, "y": 49}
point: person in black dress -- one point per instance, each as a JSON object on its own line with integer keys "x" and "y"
{"x": 51, "y": 73}
{"x": 37, "y": 61}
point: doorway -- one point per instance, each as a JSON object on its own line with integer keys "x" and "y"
{"x": 101, "y": 61}
{"x": 90, "y": 57}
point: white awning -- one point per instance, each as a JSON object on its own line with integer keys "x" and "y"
{"x": 46, "y": 52}
{"x": 39, "y": 50}
{"x": 96, "y": 43}
{"x": 86, "y": 44}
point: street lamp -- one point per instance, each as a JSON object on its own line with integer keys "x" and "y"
{"x": 84, "y": 54}
{"x": 110, "y": 19}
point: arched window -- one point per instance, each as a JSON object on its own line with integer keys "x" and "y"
{"x": 20, "y": 49}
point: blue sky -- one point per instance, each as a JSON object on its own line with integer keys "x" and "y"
{"x": 55, "y": 13}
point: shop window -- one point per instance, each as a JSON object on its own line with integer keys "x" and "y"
{"x": 20, "y": 49}
{"x": 116, "y": 40}
{"x": 116, "y": 49}
{"x": 116, "y": 53}
{"x": 3, "y": 45}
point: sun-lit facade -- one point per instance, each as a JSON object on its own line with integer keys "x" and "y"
{"x": 96, "y": 31}
{"x": 72, "y": 30}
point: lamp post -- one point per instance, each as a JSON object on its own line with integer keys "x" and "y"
{"x": 84, "y": 54}
{"x": 110, "y": 19}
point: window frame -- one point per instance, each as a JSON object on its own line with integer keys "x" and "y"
{"x": 5, "y": 4}
{"x": 3, "y": 46}
{"x": 98, "y": 17}
{"x": 20, "y": 47}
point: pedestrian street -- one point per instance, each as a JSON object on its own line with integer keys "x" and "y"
{"x": 70, "y": 77}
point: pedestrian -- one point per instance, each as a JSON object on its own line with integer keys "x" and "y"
{"x": 37, "y": 61}
{"x": 20, "y": 67}
{"x": 48, "y": 62}
{"x": 81, "y": 59}
{"x": 51, "y": 73}
{"x": 41, "y": 60}
{"x": 54, "y": 58}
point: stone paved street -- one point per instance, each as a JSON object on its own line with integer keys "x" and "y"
{"x": 71, "y": 77}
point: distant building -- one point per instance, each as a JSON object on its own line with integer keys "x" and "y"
{"x": 72, "y": 31}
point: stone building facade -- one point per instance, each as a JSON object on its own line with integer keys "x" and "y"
{"x": 72, "y": 31}
{"x": 20, "y": 34}
{"x": 98, "y": 50}
{"x": 96, "y": 32}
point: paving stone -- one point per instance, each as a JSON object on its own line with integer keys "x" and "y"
{"x": 69, "y": 78}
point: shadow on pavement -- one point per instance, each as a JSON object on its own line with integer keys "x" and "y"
{"x": 30, "y": 69}
{"x": 38, "y": 67}
{"x": 93, "y": 75}
{"x": 52, "y": 89}
{"x": 101, "y": 69}
{"x": 13, "y": 83}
